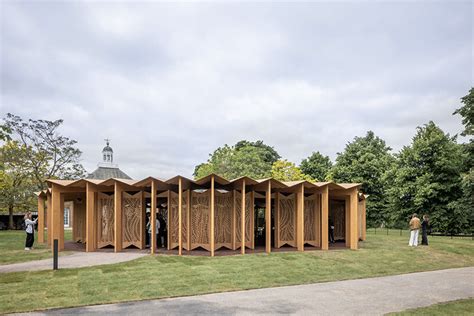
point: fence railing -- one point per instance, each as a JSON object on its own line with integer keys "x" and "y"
{"x": 397, "y": 231}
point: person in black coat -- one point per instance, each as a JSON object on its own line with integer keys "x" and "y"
{"x": 425, "y": 227}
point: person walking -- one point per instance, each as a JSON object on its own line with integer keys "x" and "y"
{"x": 425, "y": 227}
{"x": 414, "y": 230}
{"x": 30, "y": 231}
{"x": 157, "y": 229}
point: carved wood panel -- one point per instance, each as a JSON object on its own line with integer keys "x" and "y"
{"x": 223, "y": 220}
{"x": 132, "y": 219}
{"x": 287, "y": 220}
{"x": 174, "y": 220}
{"x": 249, "y": 220}
{"x": 105, "y": 220}
{"x": 200, "y": 220}
{"x": 79, "y": 218}
{"x": 310, "y": 217}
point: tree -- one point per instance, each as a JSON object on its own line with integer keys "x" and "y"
{"x": 269, "y": 154}
{"x": 16, "y": 185}
{"x": 50, "y": 154}
{"x": 285, "y": 170}
{"x": 232, "y": 162}
{"x": 427, "y": 180}
{"x": 465, "y": 205}
{"x": 367, "y": 160}
{"x": 316, "y": 166}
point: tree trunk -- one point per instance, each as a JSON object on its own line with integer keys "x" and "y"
{"x": 10, "y": 217}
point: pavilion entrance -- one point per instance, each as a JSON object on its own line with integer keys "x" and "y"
{"x": 337, "y": 216}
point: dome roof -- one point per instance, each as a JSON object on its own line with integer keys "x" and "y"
{"x": 107, "y": 148}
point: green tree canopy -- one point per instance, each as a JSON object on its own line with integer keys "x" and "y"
{"x": 252, "y": 159}
{"x": 366, "y": 160}
{"x": 285, "y": 170}
{"x": 426, "y": 179}
{"x": 316, "y": 166}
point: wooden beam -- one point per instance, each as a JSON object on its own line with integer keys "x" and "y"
{"x": 212, "y": 215}
{"x": 300, "y": 218}
{"x": 153, "y": 218}
{"x": 325, "y": 219}
{"x": 268, "y": 218}
{"x": 180, "y": 217}
{"x": 61, "y": 222}
{"x": 49, "y": 216}
{"x": 188, "y": 220}
{"x": 354, "y": 236}
{"x": 91, "y": 244}
{"x": 242, "y": 219}
{"x": 40, "y": 219}
{"x": 118, "y": 217}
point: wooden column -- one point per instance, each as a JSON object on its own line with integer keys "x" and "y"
{"x": 318, "y": 219}
{"x": 354, "y": 236}
{"x": 277, "y": 220}
{"x": 49, "y": 216}
{"x": 168, "y": 241}
{"x": 153, "y": 218}
{"x": 300, "y": 218}
{"x": 242, "y": 218}
{"x": 211, "y": 233}
{"x": 61, "y": 222}
{"x": 364, "y": 220}
{"x": 40, "y": 219}
{"x": 325, "y": 218}
{"x": 347, "y": 211}
{"x": 234, "y": 220}
{"x": 118, "y": 217}
{"x": 180, "y": 216}
{"x": 268, "y": 218}
{"x": 188, "y": 220}
{"x": 91, "y": 244}
{"x": 56, "y": 221}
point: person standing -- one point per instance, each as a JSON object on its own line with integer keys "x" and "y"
{"x": 30, "y": 231}
{"x": 425, "y": 227}
{"x": 331, "y": 231}
{"x": 157, "y": 229}
{"x": 414, "y": 230}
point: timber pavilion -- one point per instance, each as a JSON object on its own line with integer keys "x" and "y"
{"x": 211, "y": 213}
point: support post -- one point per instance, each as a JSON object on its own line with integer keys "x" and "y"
{"x": 277, "y": 220}
{"x": 40, "y": 219}
{"x": 180, "y": 216}
{"x": 49, "y": 216}
{"x": 118, "y": 216}
{"x": 300, "y": 218}
{"x": 168, "y": 231}
{"x": 212, "y": 216}
{"x": 153, "y": 218}
{"x": 354, "y": 236}
{"x": 325, "y": 218}
{"x": 364, "y": 220}
{"x": 56, "y": 220}
{"x": 268, "y": 218}
{"x": 61, "y": 223}
{"x": 242, "y": 220}
{"x": 347, "y": 212}
{"x": 90, "y": 218}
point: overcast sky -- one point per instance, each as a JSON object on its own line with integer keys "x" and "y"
{"x": 169, "y": 83}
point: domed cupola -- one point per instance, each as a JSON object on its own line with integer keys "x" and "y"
{"x": 108, "y": 153}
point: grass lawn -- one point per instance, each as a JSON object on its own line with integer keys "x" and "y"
{"x": 166, "y": 276}
{"x": 12, "y": 247}
{"x": 458, "y": 308}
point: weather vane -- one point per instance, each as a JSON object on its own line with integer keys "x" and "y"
{"x": 107, "y": 140}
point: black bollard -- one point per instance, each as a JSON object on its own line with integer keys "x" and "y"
{"x": 55, "y": 254}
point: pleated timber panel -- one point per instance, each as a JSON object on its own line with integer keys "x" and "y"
{"x": 133, "y": 220}
{"x": 200, "y": 220}
{"x": 337, "y": 211}
{"x": 174, "y": 220}
{"x": 287, "y": 220}
{"x": 105, "y": 220}
{"x": 79, "y": 219}
{"x": 311, "y": 220}
{"x": 223, "y": 220}
{"x": 249, "y": 220}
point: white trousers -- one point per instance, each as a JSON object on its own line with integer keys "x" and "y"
{"x": 413, "y": 238}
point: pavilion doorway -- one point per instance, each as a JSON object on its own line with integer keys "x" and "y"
{"x": 337, "y": 216}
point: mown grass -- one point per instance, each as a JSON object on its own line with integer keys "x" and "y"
{"x": 12, "y": 247}
{"x": 458, "y": 308}
{"x": 167, "y": 276}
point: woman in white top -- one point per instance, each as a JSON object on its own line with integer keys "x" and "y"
{"x": 30, "y": 231}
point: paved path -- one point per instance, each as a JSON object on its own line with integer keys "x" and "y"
{"x": 75, "y": 260}
{"x": 374, "y": 296}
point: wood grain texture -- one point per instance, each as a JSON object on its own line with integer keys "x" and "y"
{"x": 200, "y": 223}
{"x": 249, "y": 215}
{"x": 132, "y": 220}
{"x": 79, "y": 218}
{"x": 310, "y": 220}
{"x": 223, "y": 220}
{"x": 105, "y": 220}
{"x": 287, "y": 220}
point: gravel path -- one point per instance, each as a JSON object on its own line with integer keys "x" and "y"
{"x": 75, "y": 260}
